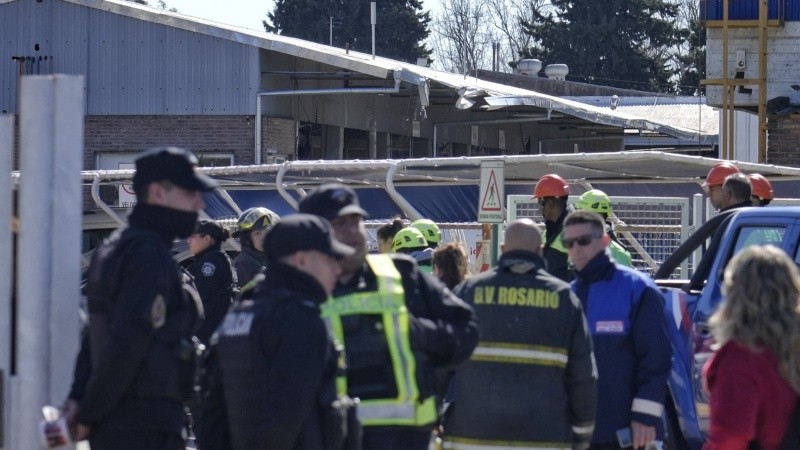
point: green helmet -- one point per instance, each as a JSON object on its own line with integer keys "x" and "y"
{"x": 594, "y": 201}
{"x": 256, "y": 218}
{"x": 408, "y": 238}
{"x": 430, "y": 231}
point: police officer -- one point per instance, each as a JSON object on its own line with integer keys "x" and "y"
{"x": 252, "y": 225}
{"x": 277, "y": 357}
{"x": 214, "y": 277}
{"x": 553, "y": 193}
{"x": 598, "y": 202}
{"x": 411, "y": 241}
{"x": 213, "y": 274}
{"x": 143, "y": 311}
{"x": 625, "y": 312}
{"x": 532, "y": 381}
{"x": 397, "y": 325}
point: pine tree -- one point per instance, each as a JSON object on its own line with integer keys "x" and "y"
{"x": 623, "y": 43}
{"x": 401, "y": 30}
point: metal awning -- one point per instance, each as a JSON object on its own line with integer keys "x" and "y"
{"x": 475, "y": 94}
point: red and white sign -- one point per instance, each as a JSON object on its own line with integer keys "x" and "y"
{"x": 126, "y": 196}
{"x": 490, "y": 208}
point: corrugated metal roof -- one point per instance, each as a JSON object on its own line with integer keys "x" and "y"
{"x": 493, "y": 96}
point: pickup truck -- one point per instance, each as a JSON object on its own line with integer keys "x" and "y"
{"x": 689, "y": 304}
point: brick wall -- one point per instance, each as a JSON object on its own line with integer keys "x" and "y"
{"x": 201, "y": 134}
{"x": 783, "y": 146}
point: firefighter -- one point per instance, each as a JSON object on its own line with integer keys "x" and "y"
{"x": 552, "y": 191}
{"x": 397, "y": 325}
{"x": 429, "y": 229}
{"x": 411, "y": 241}
{"x": 598, "y": 202}
{"x": 251, "y": 227}
{"x": 532, "y": 382}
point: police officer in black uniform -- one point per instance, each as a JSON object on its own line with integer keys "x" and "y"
{"x": 532, "y": 381}
{"x": 397, "y": 324}
{"x": 213, "y": 274}
{"x": 277, "y": 357}
{"x": 143, "y": 310}
{"x": 215, "y": 279}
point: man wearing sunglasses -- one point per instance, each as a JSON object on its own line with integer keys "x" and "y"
{"x": 625, "y": 313}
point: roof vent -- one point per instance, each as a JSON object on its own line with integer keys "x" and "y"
{"x": 556, "y": 71}
{"x": 530, "y": 67}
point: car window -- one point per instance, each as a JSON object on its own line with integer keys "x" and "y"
{"x": 755, "y": 235}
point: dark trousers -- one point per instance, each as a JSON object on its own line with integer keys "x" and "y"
{"x": 396, "y": 438}
{"x": 104, "y": 438}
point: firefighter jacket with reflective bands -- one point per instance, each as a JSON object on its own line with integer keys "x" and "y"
{"x": 531, "y": 382}
{"x": 397, "y": 325}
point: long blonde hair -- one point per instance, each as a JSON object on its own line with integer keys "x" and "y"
{"x": 762, "y": 290}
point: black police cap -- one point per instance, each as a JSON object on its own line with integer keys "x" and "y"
{"x": 331, "y": 201}
{"x": 301, "y": 232}
{"x": 172, "y": 164}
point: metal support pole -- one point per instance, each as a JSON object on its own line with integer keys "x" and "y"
{"x": 6, "y": 161}
{"x": 51, "y": 138}
{"x": 373, "y": 20}
{"x": 697, "y": 221}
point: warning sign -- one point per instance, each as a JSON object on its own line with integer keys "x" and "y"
{"x": 490, "y": 206}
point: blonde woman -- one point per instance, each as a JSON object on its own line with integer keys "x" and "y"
{"x": 754, "y": 377}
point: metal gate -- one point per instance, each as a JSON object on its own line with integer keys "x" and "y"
{"x": 651, "y": 228}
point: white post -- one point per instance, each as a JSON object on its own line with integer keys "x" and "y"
{"x": 6, "y": 158}
{"x": 51, "y": 154}
{"x": 373, "y": 20}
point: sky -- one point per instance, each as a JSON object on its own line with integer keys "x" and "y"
{"x": 244, "y": 13}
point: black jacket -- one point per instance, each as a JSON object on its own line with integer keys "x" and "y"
{"x": 142, "y": 317}
{"x": 278, "y": 363}
{"x": 532, "y": 381}
{"x": 554, "y": 252}
{"x": 249, "y": 263}
{"x": 444, "y": 330}
{"x": 213, "y": 275}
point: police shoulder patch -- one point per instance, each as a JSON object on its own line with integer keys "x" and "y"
{"x": 208, "y": 269}
{"x": 158, "y": 312}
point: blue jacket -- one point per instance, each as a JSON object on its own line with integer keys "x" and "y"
{"x": 626, "y": 318}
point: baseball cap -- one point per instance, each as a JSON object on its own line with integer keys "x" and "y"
{"x": 172, "y": 164}
{"x": 300, "y": 232}
{"x": 211, "y": 228}
{"x": 331, "y": 201}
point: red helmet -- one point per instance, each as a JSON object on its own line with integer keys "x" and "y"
{"x": 762, "y": 188}
{"x": 551, "y": 185}
{"x": 716, "y": 176}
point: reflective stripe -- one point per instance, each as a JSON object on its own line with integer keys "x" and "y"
{"x": 583, "y": 430}
{"x": 389, "y": 301}
{"x": 520, "y": 354}
{"x": 649, "y": 407}
{"x": 458, "y": 443}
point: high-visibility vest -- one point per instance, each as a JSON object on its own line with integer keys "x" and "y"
{"x": 388, "y": 301}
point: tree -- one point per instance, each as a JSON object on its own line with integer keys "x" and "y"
{"x": 623, "y": 43}
{"x": 463, "y": 33}
{"x": 401, "y": 30}
{"x": 690, "y": 55}
{"x": 462, "y": 36}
